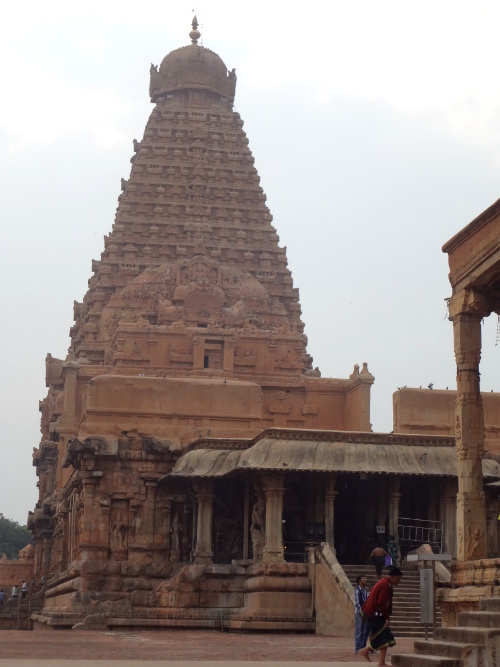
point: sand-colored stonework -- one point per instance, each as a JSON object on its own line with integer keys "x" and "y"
{"x": 191, "y": 455}
{"x": 190, "y": 328}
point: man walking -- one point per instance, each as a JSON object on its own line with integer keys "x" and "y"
{"x": 378, "y": 556}
{"x": 361, "y": 627}
{"x": 378, "y": 609}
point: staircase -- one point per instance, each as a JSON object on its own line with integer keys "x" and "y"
{"x": 23, "y": 612}
{"x": 475, "y": 643}
{"x": 405, "y": 619}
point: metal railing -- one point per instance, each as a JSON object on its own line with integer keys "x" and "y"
{"x": 414, "y": 532}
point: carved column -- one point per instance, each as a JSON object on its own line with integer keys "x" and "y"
{"x": 148, "y": 509}
{"x": 163, "y": 535}
{"x": 89, "y": 484}
{"x": 450, "y": 519}
{"x": 469, "y": 430}
{"x": 38, "y": 553}
{"x": 246, "y": 523}
{"x": 330, "y": 495}
{"x": 492, "y": 524}
{"x": 203, "y": 554}
{"x": 70, "y": 374}
{"x": 65, "y": 537}
{"x": 394, "y": 499}
{"x": 273, "y": 485}
{"x": 228, "y": 359}
{"x": 198, "y": 352}
{"x": 66, "y": 427}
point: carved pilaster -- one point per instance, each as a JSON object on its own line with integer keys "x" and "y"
{"x": 330, "y": 495}
{"x": 205, "y": 498}
{"x": 469, "y": 433}
{"x": 449, "y": 502}
{"x": 258, "y": 525}
{"x": 88, "y": 505}
{"x": 273, "y": 485}
{"x": 228, "y": 361}
{"x": 198, "y": 351}
{"x": 148, "y": 510}
{"x": 394, "y": 499}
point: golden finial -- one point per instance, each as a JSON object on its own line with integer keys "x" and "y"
{"x": 195, "y": 33}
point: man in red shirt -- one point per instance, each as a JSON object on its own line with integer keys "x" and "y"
{"x": 378, "y": 609}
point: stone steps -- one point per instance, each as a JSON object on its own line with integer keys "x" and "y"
{"x": 474, "y": 643}
{"x": 465, "y": 634}
{"x": 405, "y": 619}
{"x": 410, "y": 660}
{"x": 456, "y": 650}
{"x": 480, "y": 619}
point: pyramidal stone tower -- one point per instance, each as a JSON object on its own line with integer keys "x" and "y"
{"x": 190, "y": 331}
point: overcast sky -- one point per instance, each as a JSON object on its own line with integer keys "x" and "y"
{"x": 375, "y": 130}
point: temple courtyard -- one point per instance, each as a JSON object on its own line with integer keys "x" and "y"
{"x": 177, "y": 648}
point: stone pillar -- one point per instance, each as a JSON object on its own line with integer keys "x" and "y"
{"x": 203, "y": 554}
{"x": 273, "y": 485}
{"x": 450, "y": 520}
{"x": 46, "y": 551}
{"x": 198, "y": 353}
{"x": 38, "y": 543}
{"x": 469, "y": 428}
{"x": 66, "y": 426}
{"x": 246, "y": 523}
{"x": 492, "y": 524}
{"x": 70, "y": 374}
{"x": 148, "y": 509}
{"x": 162, "y": 536}
{"x": 228, "y": 358}
{"x": 394, "y": 498}
{"x": 330, "y": 495}
{"x": 194, "y": 537}
{"x": 89, "y": 484}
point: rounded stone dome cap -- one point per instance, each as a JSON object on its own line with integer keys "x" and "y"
{"x": 192, "y": 67}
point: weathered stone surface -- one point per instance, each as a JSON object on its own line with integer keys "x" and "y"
{"x": 334, "y": 596}
{"x": 190, "y": 328}
{"x": 186, "y": 351}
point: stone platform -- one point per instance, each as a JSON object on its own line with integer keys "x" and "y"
{"x": 177, "y": 648}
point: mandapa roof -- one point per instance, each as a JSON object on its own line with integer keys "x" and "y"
{"x": 327, "y": 456}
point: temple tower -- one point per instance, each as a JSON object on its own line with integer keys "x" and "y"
{"x": 190, "y": 330}
{"x": 192, "y": 246}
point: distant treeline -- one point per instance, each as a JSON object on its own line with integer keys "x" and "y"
{"x": 13, "y": 538}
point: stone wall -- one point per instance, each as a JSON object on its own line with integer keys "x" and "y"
{"x": 432, "y": 412}
{"x": 333, "y": 595}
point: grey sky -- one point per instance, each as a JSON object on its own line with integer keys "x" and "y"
{"x": 374, "y": 128}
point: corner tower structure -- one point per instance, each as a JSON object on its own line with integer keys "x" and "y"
{"x": 190, "y": 329}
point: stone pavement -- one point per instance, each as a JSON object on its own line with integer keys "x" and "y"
{"x": 177, "y": 648}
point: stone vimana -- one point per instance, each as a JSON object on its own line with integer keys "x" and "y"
{"x": 191, "y": 456}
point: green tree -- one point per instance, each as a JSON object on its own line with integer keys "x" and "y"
{"x": 13, "y": 537}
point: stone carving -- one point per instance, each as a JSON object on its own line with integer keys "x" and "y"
{"x": 257, "y": 528}
{"x": 279, "y": 405}
{"x": 475, "y": 539}
{"x": 175, "y": 531}
{"x": 245, "y": 357}
{"x": 118, "y": 534}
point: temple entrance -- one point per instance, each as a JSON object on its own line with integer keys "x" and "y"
{"x": 358, "y": 513}
{"x": 420, "y": 520}
{"x": 303, "y": 516}
{"x": 361, "y": 516}
{"x": 228, "y": 522}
